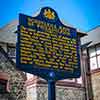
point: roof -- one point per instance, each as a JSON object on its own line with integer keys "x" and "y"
{"x": 7, "y": 32}
{"x": 81, "y": 34}
{"x": 93, "y": 35}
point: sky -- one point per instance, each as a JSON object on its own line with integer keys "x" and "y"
{"x": 81, "y": 14}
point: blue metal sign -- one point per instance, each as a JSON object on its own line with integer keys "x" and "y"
{"x": 46, "y": 47}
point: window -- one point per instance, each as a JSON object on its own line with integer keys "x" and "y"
{"x": 11, "y": 51}
{"x": 98, "y": 50}
{"x": 94, "y": 54}
{"x": 98, "y": 58}
{"x": 3, "y": 86}
{"x": 93, "y": 63}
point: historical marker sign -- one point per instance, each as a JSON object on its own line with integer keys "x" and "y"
{"x": 46, "y": 47}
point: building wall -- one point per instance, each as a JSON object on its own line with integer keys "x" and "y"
{"x": 37, "y": 89}
{"x": 31, "y": 92}
{"x": 62, "y": 93}
{"x": 16, "y": 79}
{"x": 93, "y": 61}
{"x": 95, "y": 77}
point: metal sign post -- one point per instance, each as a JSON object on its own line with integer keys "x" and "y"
{"x": 47, "y": 48}
{"x": 51, "y": 90}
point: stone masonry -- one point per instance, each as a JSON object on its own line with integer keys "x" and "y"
{"x": 62, "y": 93}
{"x": 96, "y": 85}
{"x": 16, "y": 79}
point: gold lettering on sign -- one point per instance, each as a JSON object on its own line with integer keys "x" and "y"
{"x": 47, "y": 27}
{"x": 48, "y": 49}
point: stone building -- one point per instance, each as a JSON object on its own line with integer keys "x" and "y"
{"x": 92, "y": 65}
{"x": 68, "y": 89}
{"x": 36, "y": 88}
{"x": 12, "y": 81}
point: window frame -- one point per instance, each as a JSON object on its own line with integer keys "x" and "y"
{"x": 13, "y": 47}
{"x": 96, "y": 55}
